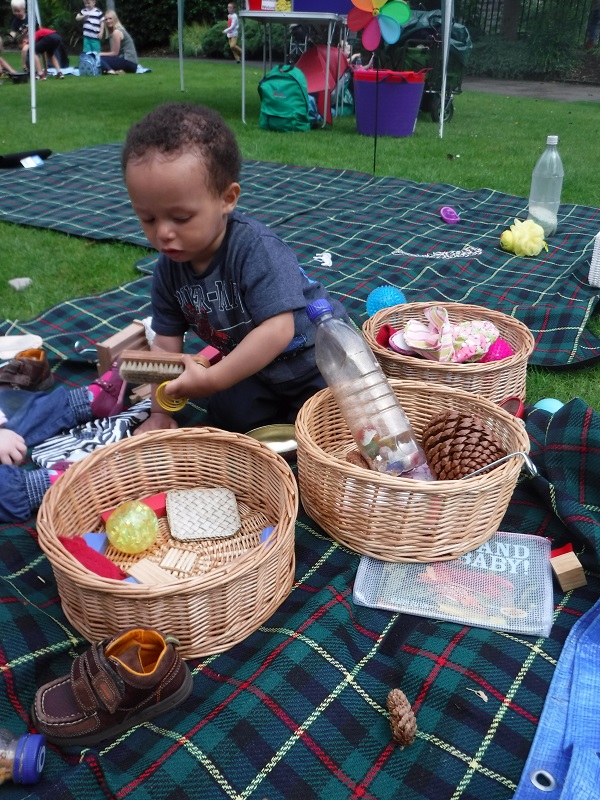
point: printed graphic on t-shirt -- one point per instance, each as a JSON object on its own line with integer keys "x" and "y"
{"x": 197, "y": 305}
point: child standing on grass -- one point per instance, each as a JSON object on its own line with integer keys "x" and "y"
{"x": 93, "y": 26}
{"x": 221, "y": 274}
{"x": 232, "y": 32}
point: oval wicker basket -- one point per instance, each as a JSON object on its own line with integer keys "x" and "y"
{"x": 237, "y": 583}
{"x": 399, "y": 519}
{"x": 495, "y": 380}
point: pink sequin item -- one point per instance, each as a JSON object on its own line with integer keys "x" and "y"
{"x": 499, "y": 350}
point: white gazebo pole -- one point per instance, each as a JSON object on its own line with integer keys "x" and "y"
{"x": 180, "y": 40}
{"x": 32, "y": 17}
{"x": 447, "y": 18}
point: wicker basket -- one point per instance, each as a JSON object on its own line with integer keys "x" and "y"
{"x": 236, "y": 583}
{"x": 399, "y": 519}
{"x": 495, "y": 380}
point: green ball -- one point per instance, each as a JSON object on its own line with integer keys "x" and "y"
{"x": 132, "y": 527}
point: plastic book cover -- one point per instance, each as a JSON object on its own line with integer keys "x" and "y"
{"x": 505, "y": 584}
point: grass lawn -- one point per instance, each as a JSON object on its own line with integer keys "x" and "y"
{"x": 493, "y": 141}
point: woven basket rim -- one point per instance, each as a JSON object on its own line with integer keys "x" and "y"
{"x": 372, "y": 325}
{"x": 85, "y": 578}
{"x": 451, "y": 487}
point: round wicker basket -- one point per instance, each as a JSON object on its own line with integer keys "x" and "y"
{"x": 495, "y": 380}
{"x": 399, "y": 519}
{"x": 236, "y": 583}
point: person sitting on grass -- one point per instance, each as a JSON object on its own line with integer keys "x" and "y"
{"x": 5, "y": 67}
{"x": 122, "y": 56}
{"x": 221, "y": 274}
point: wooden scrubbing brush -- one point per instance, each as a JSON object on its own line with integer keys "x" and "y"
{"x": 143, "y": 366}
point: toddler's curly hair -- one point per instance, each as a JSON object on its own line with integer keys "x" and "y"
{"x": 176, "y": 128}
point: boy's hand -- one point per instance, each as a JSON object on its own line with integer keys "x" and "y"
{"x": 157, "y": 421}
{"x": 12, "y": 447}
{"x": 193, "y": 382}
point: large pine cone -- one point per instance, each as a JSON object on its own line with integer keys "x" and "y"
{"x": 402, "y": 718}
{"x": 456, "y": 445}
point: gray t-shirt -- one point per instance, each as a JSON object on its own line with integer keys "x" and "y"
{"x": 253, "y": 276}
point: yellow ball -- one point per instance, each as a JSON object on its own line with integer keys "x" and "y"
{"x": 132, "y": 527}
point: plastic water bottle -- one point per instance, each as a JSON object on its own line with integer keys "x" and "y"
{"x": 376, "y": 420}
{"x": 21, "y": 757}
{"x": 546, "y": 186}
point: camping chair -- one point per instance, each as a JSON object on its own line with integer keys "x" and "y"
{"x": 313, "y": 64}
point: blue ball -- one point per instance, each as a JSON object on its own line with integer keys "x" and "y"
{"x": 384, "y": 297}
{"x": 549, "y": 404}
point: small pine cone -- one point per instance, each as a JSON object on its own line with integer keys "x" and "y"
{"x": 354, "y": 457}
{"x": 456, "y": 445}
{"x": 402, "y": 718}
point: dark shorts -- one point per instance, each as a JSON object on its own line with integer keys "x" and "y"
{"x": 254, "y": 402}
{"x": 48, "y": 44}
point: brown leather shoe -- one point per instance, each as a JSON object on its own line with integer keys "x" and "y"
{"x": 29, "y": 370}
{"x": 114, "y": 685}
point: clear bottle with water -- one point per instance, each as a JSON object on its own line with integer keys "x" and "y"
{"x": 21, "y": 757}
{"x": 546, "y": 187}
{"x": 368, "y": 404}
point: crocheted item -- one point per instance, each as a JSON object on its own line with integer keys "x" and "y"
{"x": 443, "y": 341}
{"x": 402, "y": 718}
{"x": 202, "y": 514}
{"x": 456, "y": 445}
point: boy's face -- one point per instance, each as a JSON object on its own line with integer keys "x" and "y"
{"x": 89, "y": 3}
{"x": 230, "y": 8}
{"x": 19, "y": 13}
{"x": 179, "y": 215}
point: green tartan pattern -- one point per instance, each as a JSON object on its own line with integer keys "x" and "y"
{"x": 297, "y": 710}
{"x": 378, "y": 230}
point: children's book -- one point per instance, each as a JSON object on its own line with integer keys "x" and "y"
{"x": 505, "y": 584}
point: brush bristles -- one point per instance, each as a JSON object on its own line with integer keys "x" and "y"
{"x": 141, "y": 366}
{"x": 144, "y": 372}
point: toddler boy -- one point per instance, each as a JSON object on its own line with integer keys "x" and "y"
{"x": 221, "y": 274}
{"x": 93, "y": 26}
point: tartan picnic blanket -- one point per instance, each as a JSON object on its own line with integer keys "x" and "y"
{"x": 377, "y": 230}
{"x": 298, "y": 709}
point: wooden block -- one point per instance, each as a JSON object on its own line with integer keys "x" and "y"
{"x": 179, "y": 560}
{"x": 133, "y": 336}
{"x": 568, "y": 570}
{"x": 146, "y": 571}
{"x": 139, "y": 393}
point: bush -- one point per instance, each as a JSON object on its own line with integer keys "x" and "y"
{"x": 192, "y": 40}
{"x": 152, "y": 26}
{"x": 214, "y": 43}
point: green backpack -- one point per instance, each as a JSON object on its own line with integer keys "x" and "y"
{"x": 284, "y": 100}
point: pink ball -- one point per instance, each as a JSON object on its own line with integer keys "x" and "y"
{"x": 499, "y": 350}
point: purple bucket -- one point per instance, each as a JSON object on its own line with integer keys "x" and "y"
{"x": 396, "y": 96}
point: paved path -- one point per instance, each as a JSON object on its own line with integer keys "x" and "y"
{"x": 567, "y": 92}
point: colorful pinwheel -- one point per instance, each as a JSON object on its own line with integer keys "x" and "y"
{"x": 378, "y": 18}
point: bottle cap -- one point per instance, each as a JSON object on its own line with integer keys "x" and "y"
{"x": 317, "y": 308}
{"x": 552, "y": 140}
{"x": 30, "y": 755}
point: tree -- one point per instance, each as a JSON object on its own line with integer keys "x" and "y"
{"x": 509, "y": 23}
